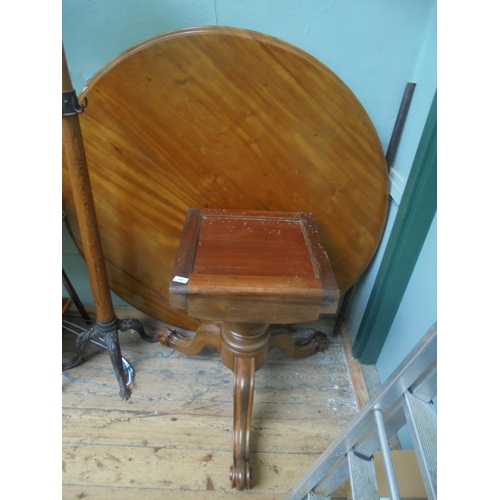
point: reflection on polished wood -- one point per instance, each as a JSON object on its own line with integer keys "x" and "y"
{"x": 223, "y": 118}
{"x": 248, "y": 270}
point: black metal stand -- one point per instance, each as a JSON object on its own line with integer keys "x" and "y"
{"x": 108, "y": 332}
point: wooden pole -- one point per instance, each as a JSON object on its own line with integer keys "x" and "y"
{"x": 84, "y": 206}
{"x": 107, "y": 324}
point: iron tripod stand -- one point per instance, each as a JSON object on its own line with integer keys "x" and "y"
{"x": 107, "y": 331}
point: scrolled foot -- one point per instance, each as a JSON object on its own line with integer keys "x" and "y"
{"x": 281, "y": 338}
{"x": 240, "y": 476}
{"x": 206, "y": 334}
{"x": 165, "y": 336}
{"x": 318, "y": 341}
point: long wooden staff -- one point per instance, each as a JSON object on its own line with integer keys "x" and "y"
{"x": 107, "y": 324}
{"x": 84, "y": 202}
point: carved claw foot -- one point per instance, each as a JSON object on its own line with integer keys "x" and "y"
{"x": 281, "y": 338}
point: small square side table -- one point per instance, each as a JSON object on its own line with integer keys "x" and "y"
{"x": 243, "y": 273}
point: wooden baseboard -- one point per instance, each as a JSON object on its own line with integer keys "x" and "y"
{"x": 355, "y": 372}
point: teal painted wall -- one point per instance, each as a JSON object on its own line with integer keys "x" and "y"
{"x": 375, "y": 46}
{"x": 425, "y": 76}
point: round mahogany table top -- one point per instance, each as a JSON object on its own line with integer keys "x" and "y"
{"x": 217, "y": 117}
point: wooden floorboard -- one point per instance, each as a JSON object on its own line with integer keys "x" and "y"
{"x": 173, "y": 437}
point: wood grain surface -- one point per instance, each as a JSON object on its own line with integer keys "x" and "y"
{"x": 223, "y": 118}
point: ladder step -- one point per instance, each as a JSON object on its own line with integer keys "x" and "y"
{"x": 363, "y": 478}
{"x": 422, "y": 422}
{"x": 313, "y": 496}
{"x": 389, "y": 407}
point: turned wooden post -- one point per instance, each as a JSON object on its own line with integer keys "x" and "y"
{"x": 84, "y": 205}
{"x": 107, "y": 324}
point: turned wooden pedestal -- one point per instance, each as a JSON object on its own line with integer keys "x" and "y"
{"x": 244, "y": 273}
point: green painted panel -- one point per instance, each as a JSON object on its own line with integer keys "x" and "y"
{"x": 415, "y": 215}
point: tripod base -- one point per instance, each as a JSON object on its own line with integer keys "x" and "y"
{"x": 108, "y": 331}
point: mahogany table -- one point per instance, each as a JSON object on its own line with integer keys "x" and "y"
{"x": 223, "y": 118}
{"x": 247, "y": 270}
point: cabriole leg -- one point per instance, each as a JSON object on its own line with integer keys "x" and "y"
{"x": 244, "y": 378}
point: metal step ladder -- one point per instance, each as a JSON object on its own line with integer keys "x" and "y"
{"x": 405, "y": 397}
